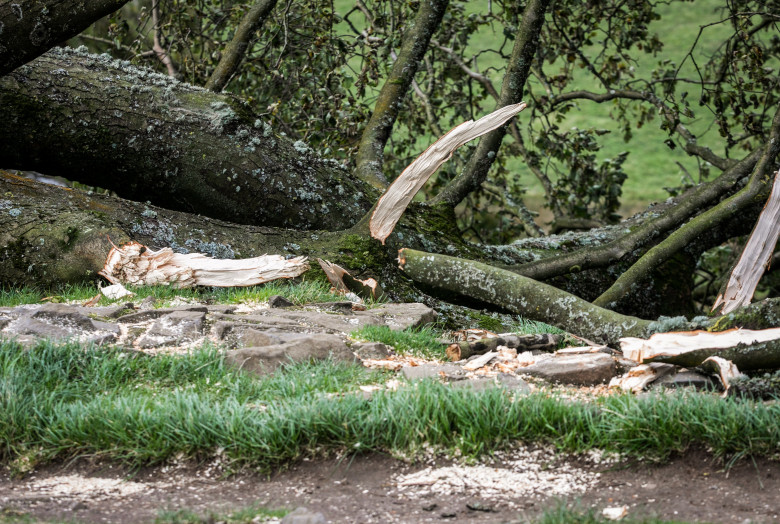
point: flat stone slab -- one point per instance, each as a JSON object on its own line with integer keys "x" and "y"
{"x": 584, "y": 369}
{"x": 265, "y": 359}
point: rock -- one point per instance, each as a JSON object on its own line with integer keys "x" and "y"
{"x": 505, "y": 380}
{"x": 371, "y": 350}
{"x": 58, "y": 322}
{"x": 278, "y": 301}
{"x": 173, "y": 329}
{"x": 449, "y": 372}
{"x": 686, "y": 378}
{"x": 339, "y": 307}
{"x": 401, "y": 316}
{"x": 150, "y": 314}
{"x": 585, "y": 370}
{"x": 262, "y": 360}
{"x": 304, "y": 516}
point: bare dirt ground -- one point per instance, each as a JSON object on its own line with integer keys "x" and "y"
{"x": 516, "y": 487}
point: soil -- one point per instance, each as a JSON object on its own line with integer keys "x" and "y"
{"x": 364, "y": 489}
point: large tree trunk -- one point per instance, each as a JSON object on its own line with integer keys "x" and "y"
{"x": 148, "y": 137}
{"x": 30, "y": 28}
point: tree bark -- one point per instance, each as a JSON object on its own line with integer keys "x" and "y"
{"x": 148, "y": 137}
{"x": 30, "y": 28}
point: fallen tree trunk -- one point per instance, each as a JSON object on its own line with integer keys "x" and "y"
{"x": 747, "y": 349}
{"x": 30, "y": 28}
{"x": 147, "y": 137}
{"x": 521, "y": 295}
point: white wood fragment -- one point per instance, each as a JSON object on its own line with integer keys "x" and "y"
{"x": 678, "y": 343}
{"x": 116, "y": 291}
{"x": 580, "y": 350}
{"x": 480, "y": 361}
{"x": 755, "y": 257}
{"x": 615, "y": 513}
{"x": 136, "y": 264}
{"x": 637, "y": 378}
{"x": 726, "y": 370}
{"x": 400, "y": 193}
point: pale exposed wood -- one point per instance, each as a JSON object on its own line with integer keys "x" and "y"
{"x": 136, "y": 264}
{"x": 116, "y": 291}
{"x": 637, "y": 378}
{"x": 725, "y": 369}
{"x": 480, "y": 361}
{"x": 667, "y": 346}
{"x": 755, "y": 257}
{"x": 397, "y": 197}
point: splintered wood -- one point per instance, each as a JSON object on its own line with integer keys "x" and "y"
{"x": 343, "y": 283}
{"x": 755, "y": 257}
{"x": 136, "y": 264}
{"x": 672, "y": 347}
{"x": 397, "y": 197}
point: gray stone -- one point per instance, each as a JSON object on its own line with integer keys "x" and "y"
{"x": 304, "y": 516}
{"x": 174, "y": 328}
{"x": 687, "y": 378}
{"x": 278, "y": 301}
{"x": 262, "y": 360}
{"x": 343, "y": 306}
{"x": 585, "y": 369}
{"x": 505, "y": 380}
{"x": 371, "y": 350}
{"x": 237, "y": 335}
{"x": 449, "y": 372}
{"x": 58, "y": 322}
{"x": 401, "y": 316}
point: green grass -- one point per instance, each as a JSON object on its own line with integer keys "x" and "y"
{"x": 568, "y": 514}
{"x": 248, "y": 515}
{"x": 58, "y": 402}
{"x": 304, "y": 292}
{"x": 424, "y": 342}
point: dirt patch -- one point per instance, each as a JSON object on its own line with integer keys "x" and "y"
{"x": 378, "y": 488}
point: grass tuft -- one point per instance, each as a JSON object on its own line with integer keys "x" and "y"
{"x": 424, "y": 342}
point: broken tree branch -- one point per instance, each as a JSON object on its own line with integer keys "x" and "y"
{"x": 136, "y": 264}
{"x": 707, "y": 220}
{"x": 747, "y": 349}
{"x": 28, "y": 29}
{"x": 541, "y": 342}
{"x": 755, "y": 257}
{"x": 236, "y": 50}
{"x": 526, "y": 44}
{"x": 397, "y": 197}
{"x": 370, "y": 155}
{"x": 521, "y": 295}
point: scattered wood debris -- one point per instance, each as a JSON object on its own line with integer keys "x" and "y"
{"x": 541, "y": 342}
{"x": 755, "y": 257}
{"x": 136, "y": 264}
{"x": 116, "y": 291}
{"x": 400, "y": 193}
